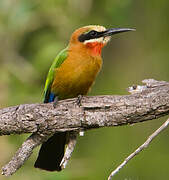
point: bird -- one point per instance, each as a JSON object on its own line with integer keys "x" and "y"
{"x": 72, "y": 74}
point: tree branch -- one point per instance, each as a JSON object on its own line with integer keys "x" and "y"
{"x": 22, "y": 154}
{"x": 140, "y": 148}
{"x": 146, "y": 102}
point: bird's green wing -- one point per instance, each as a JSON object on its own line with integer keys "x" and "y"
{"x": 50, "y": 77}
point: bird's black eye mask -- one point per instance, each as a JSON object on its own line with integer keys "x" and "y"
{"x": 108, "y": 32}
{"x": 90, "y": 35}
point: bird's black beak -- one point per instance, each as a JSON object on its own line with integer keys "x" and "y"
{"x": 112, "y": 31}
{"x": 108, "y": 32}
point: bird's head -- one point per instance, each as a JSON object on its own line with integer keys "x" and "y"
{"x": 95, "y": 37}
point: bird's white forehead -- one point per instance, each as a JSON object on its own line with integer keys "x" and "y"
{"x": 97, "y": 28}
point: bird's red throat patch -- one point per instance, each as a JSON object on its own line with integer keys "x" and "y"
{"x": 95, "y": 48}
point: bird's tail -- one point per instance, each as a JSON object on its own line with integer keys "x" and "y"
{"x": 52, "y": 152}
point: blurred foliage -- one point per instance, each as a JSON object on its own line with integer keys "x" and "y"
{"x": 33, "y": 32}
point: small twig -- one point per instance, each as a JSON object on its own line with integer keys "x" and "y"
{"x": 22, "y": 154}
{"x": 139, "y": 149}
{"x": 72, "y": 139}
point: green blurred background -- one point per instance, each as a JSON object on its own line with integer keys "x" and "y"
{"x": 32, "y": 32}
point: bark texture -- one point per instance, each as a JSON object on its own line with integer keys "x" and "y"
{"x": 147, "y": 102}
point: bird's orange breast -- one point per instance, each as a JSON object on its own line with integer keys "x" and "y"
{"x": 76, "y": 75}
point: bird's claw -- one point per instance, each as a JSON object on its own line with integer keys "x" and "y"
{"x": 55, "y": 101}
{"x": 79, "y": 99}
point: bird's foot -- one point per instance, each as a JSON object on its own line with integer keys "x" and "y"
{"x": 79, "y": 99}
{"x": 55, "y": 102}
